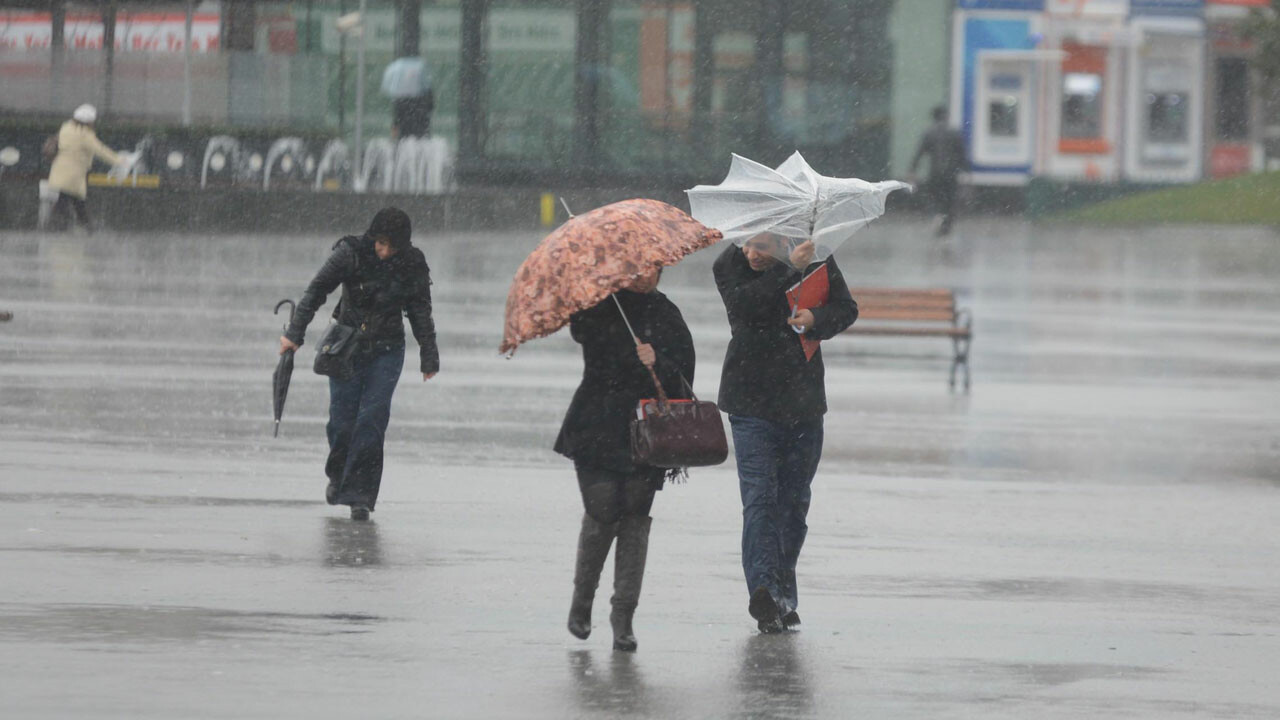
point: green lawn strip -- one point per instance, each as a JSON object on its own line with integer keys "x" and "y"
{"x": 1248, "y": 199}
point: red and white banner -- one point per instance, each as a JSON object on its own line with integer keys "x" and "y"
{"x": 139, "y": 31}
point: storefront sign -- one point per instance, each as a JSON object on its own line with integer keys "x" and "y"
{"x": 1088, "y": 8}
{"x": 1029, "y": 5}
{"x": 141, "y": 32}
{"x": 510, "y": 30}
{"x": 1185, "y": 8}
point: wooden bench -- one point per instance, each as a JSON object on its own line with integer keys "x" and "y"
{"x": 918, "y": 313}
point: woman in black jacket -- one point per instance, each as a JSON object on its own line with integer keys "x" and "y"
{"x": 616, "y": 493}
{"x": 382, "y": 275}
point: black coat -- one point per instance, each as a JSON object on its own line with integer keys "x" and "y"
{"x": 379, "y": 291}
{"x": 765, "y": 371}
{"x": 596, "y": 430}
{"x": 945, "y": 148}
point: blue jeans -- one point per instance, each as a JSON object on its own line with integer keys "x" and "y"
{"x": 359, "y": 409}
{"x": 776, "y": 465}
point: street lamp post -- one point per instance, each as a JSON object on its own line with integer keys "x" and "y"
{"x": 359, "y": 165}
{"x": 186, "y": 63}
{"x": 353, "y": 23}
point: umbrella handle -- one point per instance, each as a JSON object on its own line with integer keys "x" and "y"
{"x": 663, "y": 402}
{"x": 293, "y": 307}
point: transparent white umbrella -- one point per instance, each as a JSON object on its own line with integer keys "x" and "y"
{"x": 793, "y": 201}
{"x": 406, "y": 77}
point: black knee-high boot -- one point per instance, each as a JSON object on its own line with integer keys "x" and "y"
{"x": 593, "y": 547}
{"x": 628, "y": 574}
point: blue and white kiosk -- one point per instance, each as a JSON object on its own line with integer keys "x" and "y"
{"x": 995, "y": 50}
{"x": 1099, "y": 90}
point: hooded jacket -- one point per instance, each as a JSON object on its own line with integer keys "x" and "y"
{"x": 78, "y": 145}
{"x": 376, "y": 293}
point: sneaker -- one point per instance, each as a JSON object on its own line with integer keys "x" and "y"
{"x": 359, "y": 512}
{"x": 791, "y": 620}
{"x": 763, "y": 608}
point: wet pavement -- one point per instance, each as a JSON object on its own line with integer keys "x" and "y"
{"x": 1092, "y": 532}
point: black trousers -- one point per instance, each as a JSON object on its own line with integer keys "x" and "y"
{"x": 943, "y": 190}
{"x": 70, "y": 210}
{"x": 608, "y": 495}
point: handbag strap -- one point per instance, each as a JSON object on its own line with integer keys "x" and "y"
{"x": 663, "y": 401}
{"x": 345, "y": 298}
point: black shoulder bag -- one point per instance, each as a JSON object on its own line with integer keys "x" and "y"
{"x": 336, "y": 351}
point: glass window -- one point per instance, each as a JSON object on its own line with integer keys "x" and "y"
{"x": 1167, "y": 117}
{"x": 827, "y": 94}
{"x": 736, "y": 89}
{"x": 1168, "y": 105}
{"x": 1081, "y": 105}
{"x": 1232, "y": 116}
{"x": 1002, "y": 117}
{"x": 530, "y": 83}
{"x": 1004, "y": 105}
{"x": 645, "y": 85}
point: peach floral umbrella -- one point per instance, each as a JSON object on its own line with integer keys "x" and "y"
{"x": 592, "y": 256}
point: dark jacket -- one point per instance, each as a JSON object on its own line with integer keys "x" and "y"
{"x": 765, "y": 372}
{"x": 596, "y": 430}
{"x": 379, "y": 291}
{"x": 945, "y": 147}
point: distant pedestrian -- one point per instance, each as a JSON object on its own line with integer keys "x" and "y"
{"x": 411, "y": 116}
{"x": 77, "y": 147}
{"x": 382, "y": 276}
{"x": 616, "y": 493}
{"x": 775, "y": 399}
{"x": 944, "y": 146}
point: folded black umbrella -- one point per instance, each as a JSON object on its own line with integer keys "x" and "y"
{"x": 284, "y": 371}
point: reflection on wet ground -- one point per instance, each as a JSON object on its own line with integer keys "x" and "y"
{"x": 772, "y": 679}
{"x": 613, "y": 687}
{"x": 1090, "y": 533}
{"x": 111, "y": 624}
{"x": 1129, "y": 355}
{"x": 352, "y": 544}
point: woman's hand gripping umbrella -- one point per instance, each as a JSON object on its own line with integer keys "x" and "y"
{"x": 284, "y": 369}
{"x": 592, "y": 256}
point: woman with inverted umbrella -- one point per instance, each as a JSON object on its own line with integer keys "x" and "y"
{"x": 787, "y": 222}
{"x": 382, "y": 275}
{"x": 599, "y": 274}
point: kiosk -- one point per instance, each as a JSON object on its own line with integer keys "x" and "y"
{"x": 1164, "y": 133}
{"x": 995, "y": 87}
{"x": 1083, "y": 122}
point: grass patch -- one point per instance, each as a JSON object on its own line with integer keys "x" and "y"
{"x": 1247, "y": 199}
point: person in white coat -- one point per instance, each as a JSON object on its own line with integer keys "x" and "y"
{"x": 78, "y": 146}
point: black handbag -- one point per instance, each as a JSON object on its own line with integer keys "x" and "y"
{"x": 336, "y": 351}
{"x": 334, "y": 354}
{"x": 679, "y": 434}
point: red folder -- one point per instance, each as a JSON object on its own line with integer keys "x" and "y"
{"x": 811, "y": 292}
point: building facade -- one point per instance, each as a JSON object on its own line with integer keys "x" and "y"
{"x": 524, "y": 89}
